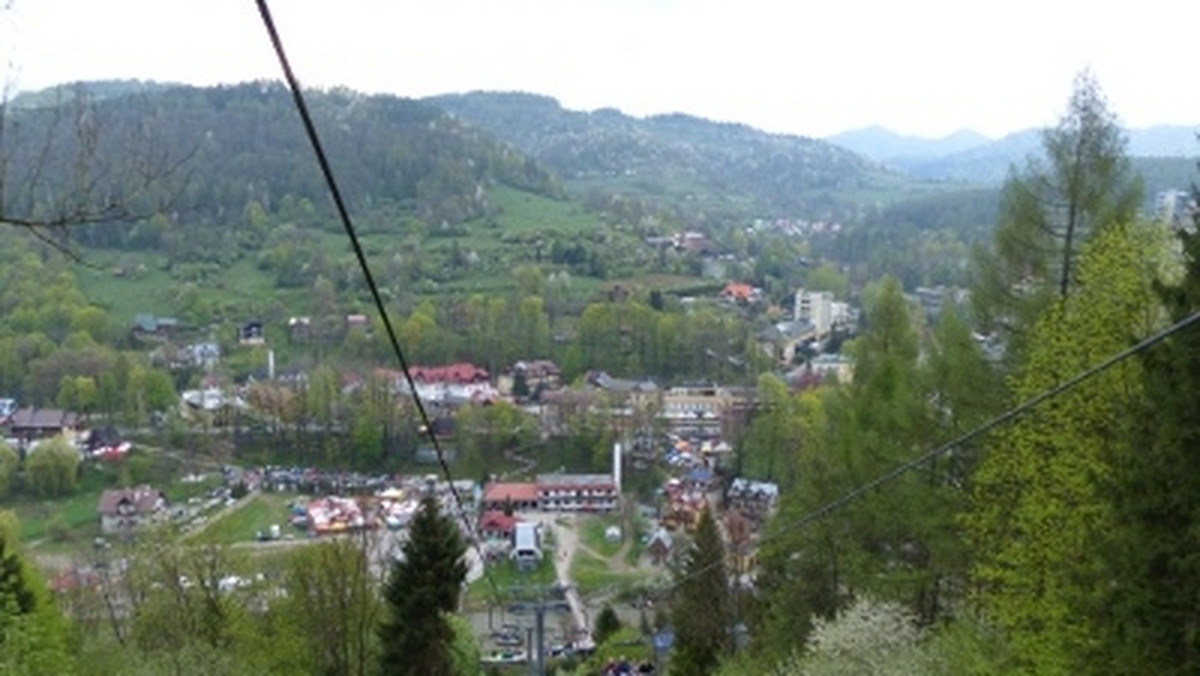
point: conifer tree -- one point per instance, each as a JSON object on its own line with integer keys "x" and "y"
{"x": 423, "y": 588}
{"x": 1049, "y": 210}
{"x": 1040, "y": 516}
{"x": 1155, "y": 620}
{"x": 702, "y": 611}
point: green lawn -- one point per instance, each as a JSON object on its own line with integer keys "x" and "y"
{"x": 244, "y": 521}
{"x": 507, "y": 576}
{"x": 592, "y": 575}
{"x": 591, "y": 533}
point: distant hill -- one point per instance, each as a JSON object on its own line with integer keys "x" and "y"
{"x": 969, "y": 157}
{"x": 245, "y": 143}
{"x": 883, "y": 145}
{"x": 678, "y": 157}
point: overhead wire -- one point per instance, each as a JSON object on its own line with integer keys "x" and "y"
{"x": 348, "y": 225}
{"x": 907, "y": 466}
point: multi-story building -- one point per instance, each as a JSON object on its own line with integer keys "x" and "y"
{"x": 815, "y": 307}
{"x": 577, "y": 492}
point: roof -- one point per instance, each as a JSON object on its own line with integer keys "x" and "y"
{"x": 517, "y": 492}
{"x": 451, "y": 373}
{"x": 495, "y": 520}
{"x": 43, "y": 418}
{"x": 547, "y": 481}
{"x": 144, "y": 499}
{"x": 526, "y": 536}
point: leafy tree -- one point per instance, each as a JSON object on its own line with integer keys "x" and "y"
{"x": 423, "y": 587}
{"x": 52, "y": 468}
{"x": 1153, "y": 625}
{"x": 9, "y": 464}
{"x": 33, "y": 634}
{"x": 1049, "y": 210}
{"x": 702, "y": 610}
{"x": 1039, "y": 511}
{"x": 331, "y": 608}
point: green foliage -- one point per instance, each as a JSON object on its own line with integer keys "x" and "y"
{"x": 9, "y": 464}
{"x": 422, "y": 587}
{"x": 52, "y": 468}
{"x": 33, "y": 634}
{"x": 1151, "y": 625}
{"x": 331, "y": 610}
{"x": 702, "y": 608}
{"x": 607, "y": 624}
{"x": 1039, "y": 509}
{"x": 1049, "y": 210}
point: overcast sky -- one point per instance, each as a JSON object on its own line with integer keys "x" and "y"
{"x": 811, "y": 67}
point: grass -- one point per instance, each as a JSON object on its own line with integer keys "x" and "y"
{"x": 592, "y": 575}
{"x": 506, "y": 575}
{"x": 591, "y": 533}
{"x": 243, "y": 522}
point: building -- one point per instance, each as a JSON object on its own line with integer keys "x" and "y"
{"x": 527, "y": 545}
{"x": 126, "y": 510}
{"x": 577, "y": 492}
{"x": 696, "y": 409}
{"x": 28, "y": 425}
{"x": 815, "y": 307}
{"x": 500, "y": 496}
{"x": 496, "y": 525}
{"x": 149, "y": 327}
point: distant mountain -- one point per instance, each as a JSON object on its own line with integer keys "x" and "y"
{"x": 970, "y": 157}
{"x": 677, "y": 158}
{"x": 882, "y": 144}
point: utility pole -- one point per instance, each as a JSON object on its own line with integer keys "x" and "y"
{"x": 538, "y": 599}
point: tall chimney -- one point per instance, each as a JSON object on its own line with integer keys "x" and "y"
{"x": 616, "y": 471}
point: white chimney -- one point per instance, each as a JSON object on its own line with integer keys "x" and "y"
{"x": 617, "y": 466}
{"x": 270, "y": 364}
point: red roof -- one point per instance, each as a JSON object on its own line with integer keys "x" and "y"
{"x": 500, "y": 492}
{"x": 493, "y": 520}
{"x": 460, "y": 373}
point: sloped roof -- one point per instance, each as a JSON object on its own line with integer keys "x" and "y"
{"x": 516, "y": 492}
{"x": 143, "y": 498}
{"x": 43, "y": 418}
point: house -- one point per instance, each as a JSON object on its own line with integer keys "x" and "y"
{"x": 148, "y": 327}
{"x": 527, "y": 545}
{"x": 539, "y": 374}
{"x": 33, "y": 424}
{"x": 521, "y": 496}
{"x": 659, "y": 546}
{"x": 577, "y": 492}
{"x": 781, "y": 341}
{"x": 496, "y": 525}
{"x": 126, "y": 510}
{"x": 299, "y": 328}
{"x": 251, "y": 333}
{"x": 741, "y": 294}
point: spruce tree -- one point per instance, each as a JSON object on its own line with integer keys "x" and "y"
{"x": 702, "y": 610}
{"x": 423, "y": 588}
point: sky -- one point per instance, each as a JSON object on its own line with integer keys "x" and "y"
{"x": 919, "y": 67}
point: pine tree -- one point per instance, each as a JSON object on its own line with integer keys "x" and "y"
{"x": 702, "y": 611}
{"x": 424, "y": 586}
{"x": 1154, "y": 619}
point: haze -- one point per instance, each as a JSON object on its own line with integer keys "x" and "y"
{"x": 925, "y": 67}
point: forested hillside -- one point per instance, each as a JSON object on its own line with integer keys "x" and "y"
{"x": 675, "y": 158}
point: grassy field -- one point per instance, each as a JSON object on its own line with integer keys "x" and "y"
{"x": 591, "y": 533}
{"x": 243, "y": 522}
{"x": 506, "y": 575}
{"x": 592, "y": 575}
